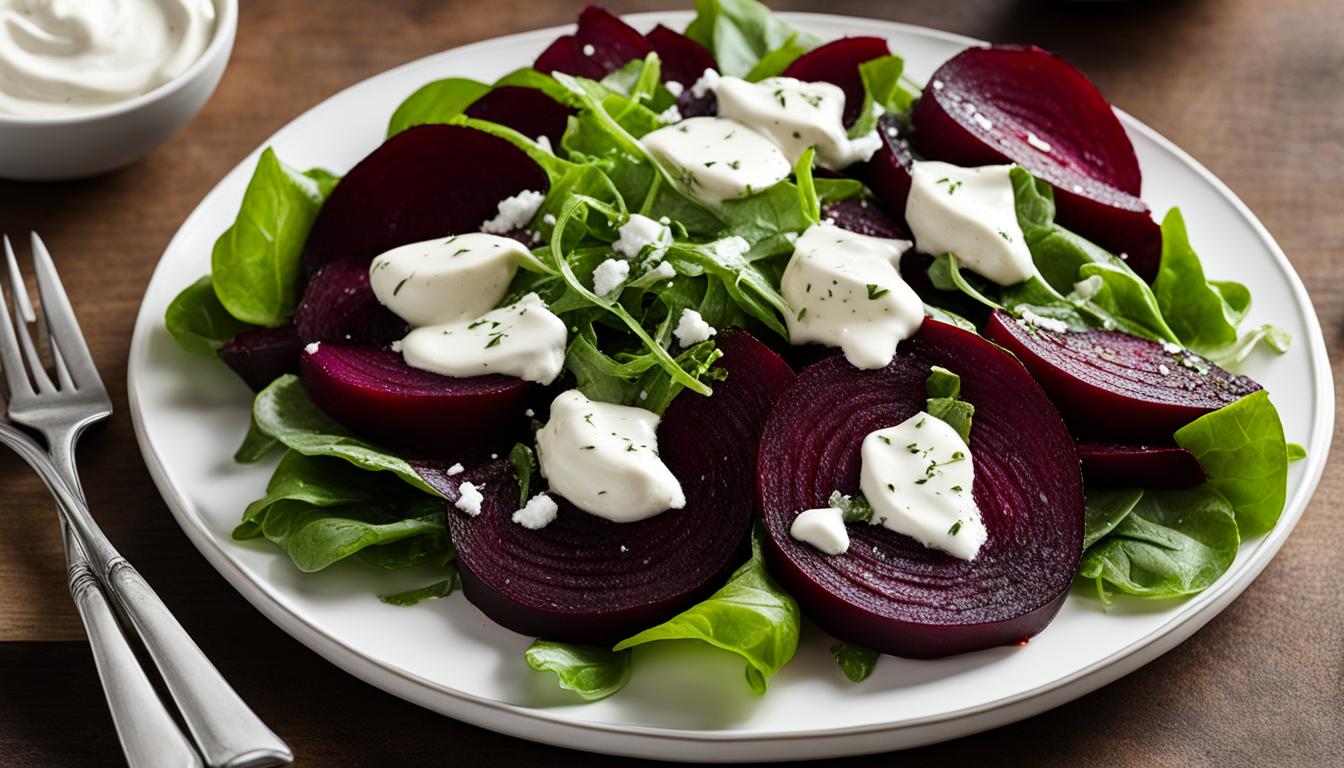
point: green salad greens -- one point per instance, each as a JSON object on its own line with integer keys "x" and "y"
{"x": 336, "y": 496}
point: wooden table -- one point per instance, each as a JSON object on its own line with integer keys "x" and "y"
{"x": 1251, "y": 88}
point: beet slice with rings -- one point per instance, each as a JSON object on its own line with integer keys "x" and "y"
{"x": 889, "y": 592}
{"x": 601, "y": 45}
{"x": 526, "y": 110}
{"x": 589, "y": 580}
{"x": 888, "y": 172}
{"x": 837, "y": 62}
{"x": 1116, "y": 387}
{"x": 683, "y": 59}
{"x": 1142, "y": 466}
{"x": 1022, "y": 104}
{"x": 262, "y": 355}
{"x": 864, "y": 218}
{"x": 425, "y": 182}
{"x": 374, "y": 393}
{"x": 339, "y": 305}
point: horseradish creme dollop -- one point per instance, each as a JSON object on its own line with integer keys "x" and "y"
{"x": 917, "y": 477}
{"x": 446, "y": 279}
{"x": 846, "y": 291}
{"x": 717, "y": 159}
{"x": 796, "y": 115}
{"x": 823, "y": 528}
{"x": 971, "y": 213}
{"x": 63, "y": 57}
{"x": 603, "y": 459}
{"x": 523, "y": 339}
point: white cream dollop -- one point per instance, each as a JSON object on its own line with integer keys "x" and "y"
{"x": 64, "y": 57}
{"x": 603, "y": 458}
{"x": 846, "y": 291}
{"x": 523, "y": 339}
{"x": 717, "y": 159}
{"x": 971, "y": 213}
{"x": 796, "y": 115}
{"x": 917, "y": 477}
{"x": 446, "y": 279}
{"x": 823, "y": 528}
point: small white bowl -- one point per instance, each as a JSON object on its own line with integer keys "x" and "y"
{"x": 76, "y": 146}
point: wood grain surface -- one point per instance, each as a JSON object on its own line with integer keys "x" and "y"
{"x": 1253, "y": 89}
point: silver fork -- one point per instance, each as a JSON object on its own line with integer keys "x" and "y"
{"x": 228, "y": 733}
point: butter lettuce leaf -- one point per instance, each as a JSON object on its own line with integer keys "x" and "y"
{"x": 590, "y": 671}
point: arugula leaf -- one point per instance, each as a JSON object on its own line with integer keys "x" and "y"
{"x": 807, "y": 188}
{"x": 429, "y": 592}
{"x": 590, "y": 671}
{"x": 856, "y": 662}
{"x": 853, "y": 509}
{"x": 1172, "y": 543}
{"x": 881, "y": 86}
{"x": 436, "y": 102}
{"x": 741, "y": 32}
{"x": 774, "y": 62}
{"x": 522, "y": 459}
{"x": 285, "y": 411}
{"x": 750, "y": 616}
{"x": 256, "y": 265}
{"x": 1106, "y": 507}
{"x": 944, "y": 387}
{"x": 199, "y": 322}
{"x": 1245, "y": 456}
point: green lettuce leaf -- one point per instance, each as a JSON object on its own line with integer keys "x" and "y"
{"x": 590, "y": 671}
{"x": 1106, "y": 507}
{"x": 436, "y": 102}
{"x": 256, "y": 265}
{"x": 433, "y": 591}
{"x": 199, "y": 322}
{"x": 1296, "y": 452}
{"x": 741, "y": 32}
{"x": 1196, "y": 310}
{"x": 773, "y": 63}
{"x": 882, "y": 86}
{"x": 749, "y": 616}
{"x": 1245, "y": 455}
{"x": 856, "y": 662}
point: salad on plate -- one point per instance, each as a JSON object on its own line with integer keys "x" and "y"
{"x": 689, "y": 335}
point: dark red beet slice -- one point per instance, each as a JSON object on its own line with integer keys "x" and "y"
{"x": 888, "y": 173}
{"x": 863, "y": 217}
{"x": 985, "y": 105}
{"x": 1142, "y": 466}
{"x": 374, "y": 393}
{"x": 611, "y": 41}
{"x": 262, "y": 355}
{"x": 683, "y": 59}
{"x": 1113, "y": 386}
{"x": 425, "y": 182}
{"x": 586, "y": 579}
{"x": 338, "y": 305}
{"x": 837, "y": 62}
{"x": 526, "y": 110}
{"x": 889, "y": 592}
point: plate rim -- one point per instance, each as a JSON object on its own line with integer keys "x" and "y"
{"x": 567, "y": 730}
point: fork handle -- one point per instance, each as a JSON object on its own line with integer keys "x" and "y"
{"x": 149, "y": 736}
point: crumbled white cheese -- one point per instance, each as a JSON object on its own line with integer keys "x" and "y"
{"x": 456, "y": 469}
{"x": 548, "y": 219}
{"x": 708, "y": 79}
{"x": 589, "y": 50}
{"x": 529, "y": 413}
{"x": 470, "y": 499}
{"x": 609, "y": 275}
{"x": 692, "y": 328}
{"x": 544, "y": 142}
{"x": 1048, "y": 323}
{"x": 1172, "y": 349}
{"x": 670, "y": 115}
{"x": 396, "y": 345}
{"x": 514, "y": 212}
{"x": 664, "y": 271}
{"x": 538, "y": 513}
{"x": 674, "y": 88}
{"x": 639, "y": 232}
{"x": 313, "y": 347}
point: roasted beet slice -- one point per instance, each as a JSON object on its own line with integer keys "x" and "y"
{"x": 338, "y": 305}
{"x": 889, "y": 592}
{"x": 262, "y": 355}
{"x": 526, "y": 110}
{"x": 837, "y": 62}
{"x": 601, "y": 45}
{"x": 888, "y": 173}
{"x": 863, "y": 217}
{"x": 586, "y": 579}
{"x": 373, "y": 392}
{"x": 683, "y": 59}
{"x": 1113, "y": 386}
{"x": 425, "y": 182}
{"x": 1142, "y": 466}
{"x": 1021, "y": 104}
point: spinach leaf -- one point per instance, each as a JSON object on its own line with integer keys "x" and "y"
{"x": 522, "y": 459}
{"x": 199, "y": 322}
{"x": 1106, "y": 507}
{"x": 750, "y": 616}
{"x": 256, "y": 264}
{"x": 882, "y": 87}
{"x": 315, "y": 537}
{"x": 1245, "y": 456}
{"x": 741, "y": 32}
{"x": 590, "y": 671}
{"x": 256, "y": 446}
{"x": 308, "y": 480}
{"x": 429, "y": 592}
{"x": 774, "y": 62}
{"x": 1296, "y": 452}
{"x": 1196, "y": 310}
{"x": 856, "y": 662}
{"x": 1173, "y": 543}
{"x": 436, "y": 102}
{"x": 944, "y": 387}
{"x": 286, "y": 412}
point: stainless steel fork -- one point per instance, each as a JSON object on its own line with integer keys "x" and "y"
{"x": 225, "y": 729}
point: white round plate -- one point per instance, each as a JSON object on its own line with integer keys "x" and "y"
{"x": 683, "y": 703}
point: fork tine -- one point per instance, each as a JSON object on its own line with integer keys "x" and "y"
{"x": 66, "y": 338}
{"x": 11, "y": 360}
{"x": 25, "y": 305}
{"x": 23, "y": 315}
